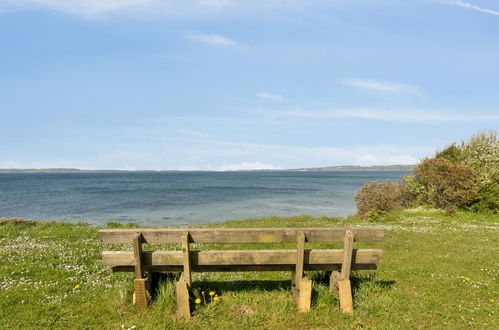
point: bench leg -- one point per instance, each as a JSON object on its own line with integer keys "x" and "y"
{"x": 304, "y": 295}
{"x": 333, "y": 282}
{"x": 183, "y": 308}
{"x": 141, "y": 295}
{"x": 345, "y": 291}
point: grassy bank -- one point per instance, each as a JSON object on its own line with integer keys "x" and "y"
{"x": 438, "y": 271}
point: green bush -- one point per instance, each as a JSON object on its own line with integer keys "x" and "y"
{"x": 447, "y": 185}
{"x": 481, "y": 153}
{"x": 461, "y": 176}
{"x": 376, "y": 198}
{"x": 452, "y": 153}
{"x": 414, "y": 193}
{"x": 487, "y": 200}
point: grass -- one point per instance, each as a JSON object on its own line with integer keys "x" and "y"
{"x": 438, "y": 272}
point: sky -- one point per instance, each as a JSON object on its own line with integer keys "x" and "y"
{"x": 230, "y": 84}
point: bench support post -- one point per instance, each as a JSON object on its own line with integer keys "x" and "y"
{"x": 141, "y": 295}
{"x": 305, "y": 295}
{"x": 342, "y": 280}
{"x": 186, "y": 274}
{"x": 184, "y": 283}
{"x": 302, "y": 286}
{"x": 300, "y": 256}
{"x": 182, "y": 292}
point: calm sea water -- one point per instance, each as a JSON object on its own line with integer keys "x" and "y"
{"x": 180, "y": 197}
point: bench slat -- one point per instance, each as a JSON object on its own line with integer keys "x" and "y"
{"x": 240, "y": 235}
{"x": 242, "y": 268}
{"x": 239, "y": 257}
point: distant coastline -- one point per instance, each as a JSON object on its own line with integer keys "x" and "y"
{"x": 328, "y": 168}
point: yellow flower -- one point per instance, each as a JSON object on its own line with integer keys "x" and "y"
{"x": 466, "y": 278}
{"x": 197, "y": 301}
{"x": 212, "y": 293}
{"x": 77, "y": 286}
{"x": 217, "y": 298}
{"x": 491, "y": 300}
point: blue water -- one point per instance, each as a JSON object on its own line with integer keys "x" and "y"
{"x": 166, "y": 198}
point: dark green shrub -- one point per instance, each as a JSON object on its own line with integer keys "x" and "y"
{"x": 487, "y": 199}
{"x": 452, "y": 153}
{"x": 375, "y": 198}
{"x": 448, "y": 186}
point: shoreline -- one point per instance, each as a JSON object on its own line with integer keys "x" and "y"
{"x": 344, "y": 168}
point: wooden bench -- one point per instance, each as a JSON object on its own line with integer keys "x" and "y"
{"x": 339, "y": 262}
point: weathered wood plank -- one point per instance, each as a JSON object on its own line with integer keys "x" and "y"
{"x": 240, "y": 235}
{"x": 333, "y": 280}
{"x": 300, "y": 256}
{"x": 240, "y": 257}
{"x": 241, "y": 268}
{"x": 186, "y": 274}
{"x": 140, "y": 295}
{"x": 182, "y": 292}
{"x": 347, "y": 255}
{"x": 345, "y": 293}
{"x": 137, "y": 254}
{"x": 305, "y": 295}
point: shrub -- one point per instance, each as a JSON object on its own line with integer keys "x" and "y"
{"x": 414, "y": 193}
{"x": 376, "y": 198}
{"x": 447, "y": 185}
{"x": 452, "y": 153}
{"x": 481, "y": 153}
{"x": 487, "y": 200}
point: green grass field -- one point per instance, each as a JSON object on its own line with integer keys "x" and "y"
{"x": 438, "y": 271}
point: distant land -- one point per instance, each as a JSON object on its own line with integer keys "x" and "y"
{"x": 328, "y": 168}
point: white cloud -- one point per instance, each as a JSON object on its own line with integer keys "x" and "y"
{"x": 85, "y": 8}
{"x": 215, "y": 3}
{"x": 272, "y": 97}
{"x": 383, "y": 86}
{"x": 418, "y": 116}
{"x": 245, "y": 166}
{"x": 368, "y": 159}
{"x": 213, "y": 39}
{"x": 463, "y": 4}
{"x": 182, "y": 8}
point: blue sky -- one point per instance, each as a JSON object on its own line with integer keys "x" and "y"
{"x": 228, "y": 84}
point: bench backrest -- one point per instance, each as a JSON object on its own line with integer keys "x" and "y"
{"x": 240, "y": 235}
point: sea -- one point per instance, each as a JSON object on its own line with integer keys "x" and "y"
{"x": 181, "y": 198}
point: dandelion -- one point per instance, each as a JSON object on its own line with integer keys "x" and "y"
{"x": 77, "y": 286}
{"x": 217, "y": 298}
{"x": 212, "y": 293}
{"x": 491, "y": 300}
{"x": 197, "y": 301}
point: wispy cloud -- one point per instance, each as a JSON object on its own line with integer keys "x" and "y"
{"x": 213, "y": 39}
{"x": 268, "y": 97}
{"x": 215, "y": 3}
{"x": 185, "y": 8}
{"x": 85, "y": 8}
{"x": 383, "y": 86}
{"x": 463, "y": 4}
{"x": 415, "y": 116}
